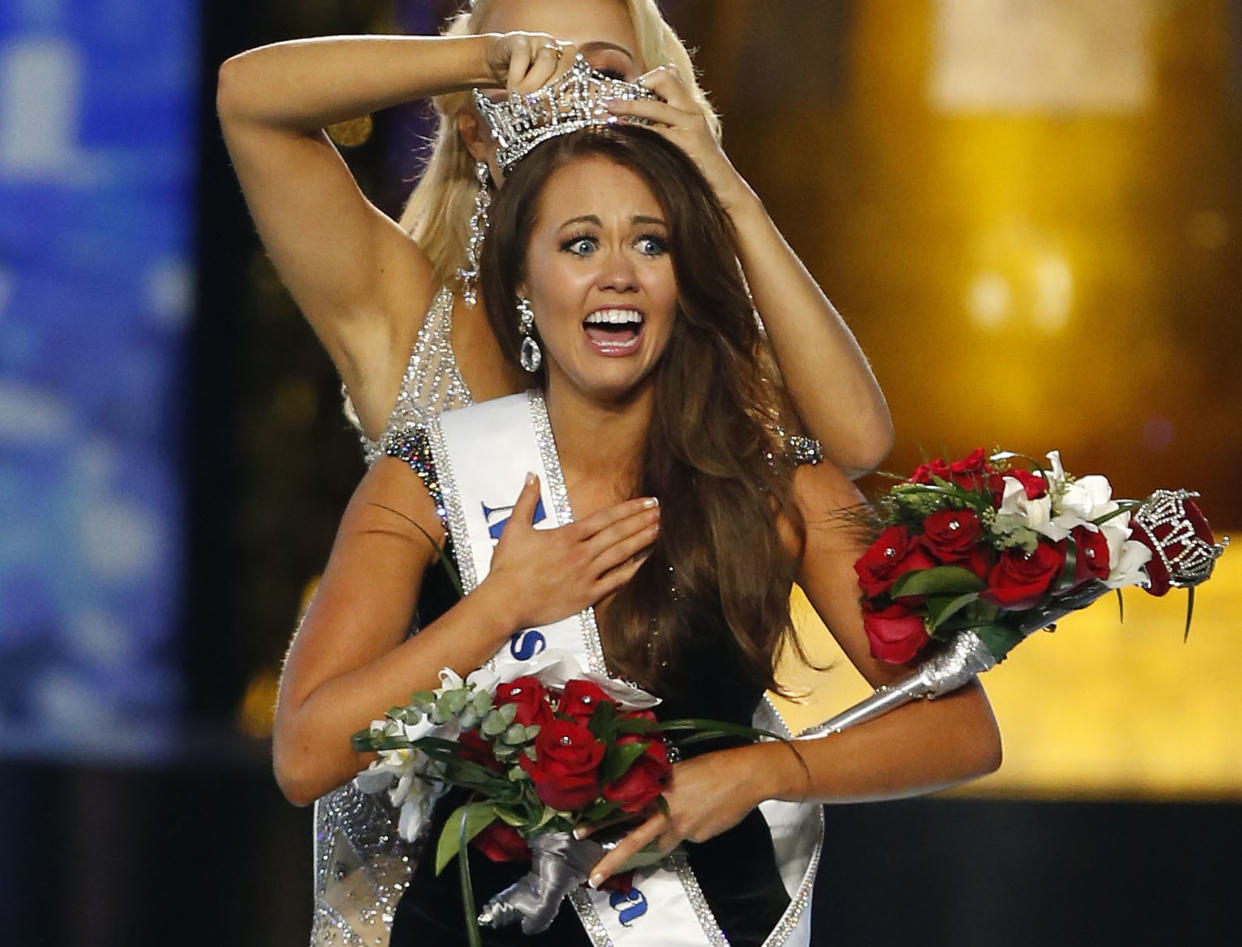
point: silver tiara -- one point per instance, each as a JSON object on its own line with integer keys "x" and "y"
{"x": 570, "y": 104}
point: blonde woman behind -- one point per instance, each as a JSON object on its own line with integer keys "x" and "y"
{"x": 364, "y": 281}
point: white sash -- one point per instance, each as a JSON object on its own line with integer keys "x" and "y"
{"x": 482, "y": 454}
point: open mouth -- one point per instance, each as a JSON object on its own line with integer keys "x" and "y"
{"x": 614, "y": 331}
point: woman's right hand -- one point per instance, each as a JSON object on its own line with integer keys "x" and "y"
{"x": 524, "y": 62}
{"x": 549, "y": 574}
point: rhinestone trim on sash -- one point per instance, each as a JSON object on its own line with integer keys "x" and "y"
{"x": 564, "y": 513}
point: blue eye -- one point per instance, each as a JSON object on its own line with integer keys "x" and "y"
{"x": 579, "y": 246}
{"x": 651, "y": 245}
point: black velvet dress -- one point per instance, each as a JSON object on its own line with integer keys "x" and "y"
{"x": 737, "y": 870}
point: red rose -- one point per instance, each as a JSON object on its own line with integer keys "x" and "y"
{"x": 1091, "y": 557}
{"x": 580, "y": 699}
{"x": 924, "y": 473}
{"x": 1032, "y": 483}
{"x": 1018, "y": 581}
{"x": 973, "y": 472}
{"x": 501, "y": 843}
{"x": 646, "y": 778}
{"x": 482, "y": 750}
{"x": 981, "y": 560}
{"x": 565, "y": 769}
{"x": 530, "y": 696}
{"x": 896, "y": 634}
{"x": 891, "y": 556}
{"x": 951, "y": 535}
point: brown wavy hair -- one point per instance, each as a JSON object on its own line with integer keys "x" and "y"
{"x": 713, "y": 454}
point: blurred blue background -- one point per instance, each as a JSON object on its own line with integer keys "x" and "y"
{"x": 98, "y": 158}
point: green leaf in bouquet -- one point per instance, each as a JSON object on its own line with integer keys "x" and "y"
{"x": 1065, "y": 580}
{"x": 532, "y": 731}
{"x": 600, "y": 810}
{"x": 633, "y": 725}
{"x": 517, "y": 774}
{"x": 943, "y": 607}
{"x": 478, "y": 816}
{"x": 515, "y": 735}
{"x": 530, "y": 753}
{"x": 363, "y": 741}
{"x": 998, "y": 638}
{"x": 508, "y": 712}
{"x": 494, "y": 724}
{"x": 473, "y": 937}
{"x": 618, "y": 759}
{"x": 711, "y": 729}
{"x": 505, "y": 753}
{"x": 481, "y": 702}
{"x": 510, "y": 817}
{"x": 404, "y": 714}
{"x": 468, "y": 719}
{"x": 422, "y": 701}
{"x": 939, "y": 580}
{"x": 546, "y": 817}
{"x": 602, "y": 720}
{"x": 454, "y": 701}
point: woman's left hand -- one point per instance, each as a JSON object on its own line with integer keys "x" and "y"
{"x": 708, "y": 795}
{"x": 678, "y": 118}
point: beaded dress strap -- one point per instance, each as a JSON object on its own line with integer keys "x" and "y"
{"x": 411, "y": 445}
{"x": 800, "y": 450}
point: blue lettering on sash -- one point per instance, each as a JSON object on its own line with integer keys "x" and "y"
{"x": 526, "y": 644}
{"x": 498, "y": 516}
{"x": 630, "y": 905}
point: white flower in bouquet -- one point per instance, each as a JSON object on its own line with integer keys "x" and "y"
{"x": 1128, "y": 560}
{"x": 1017, "y": 507}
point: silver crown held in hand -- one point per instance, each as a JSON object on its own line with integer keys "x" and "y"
{"x": 569, "y": 104}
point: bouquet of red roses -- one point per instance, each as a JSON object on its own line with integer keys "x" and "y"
{"x": 539, "y": 755}
{"x": 974, "y": 555}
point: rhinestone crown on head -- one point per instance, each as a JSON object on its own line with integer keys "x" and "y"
{"x": 570, "y": 104}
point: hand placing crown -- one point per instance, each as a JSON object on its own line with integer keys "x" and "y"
{"x": 575, "y": 101}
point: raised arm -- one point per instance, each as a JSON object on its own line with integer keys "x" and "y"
{"x": 359, "y": 279}
{"x": 824, "y": 368}
{"x": 352, "y": 658}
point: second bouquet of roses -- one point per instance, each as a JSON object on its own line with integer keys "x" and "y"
{"x": 538, "y": 755}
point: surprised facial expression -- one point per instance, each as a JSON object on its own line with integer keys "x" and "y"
{"x": 599, "y": 276}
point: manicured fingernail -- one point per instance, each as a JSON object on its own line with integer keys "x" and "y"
{"x": 579, "y": 833}
{"x": 530, "y": 479}
{"x": 650, "y": 502}
{"x": 596, "y": 879}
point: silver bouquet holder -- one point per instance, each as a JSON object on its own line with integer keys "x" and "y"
{"x": 559, "y": 864}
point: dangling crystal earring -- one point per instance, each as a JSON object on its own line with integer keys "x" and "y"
{"x": 469, "y": 276}
{"x": 530, "y": 356}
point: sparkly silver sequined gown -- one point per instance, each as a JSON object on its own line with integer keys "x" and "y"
{"x": 361, "y": 864}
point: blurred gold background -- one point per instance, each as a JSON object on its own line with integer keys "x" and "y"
{"x": 1029, "y": 214}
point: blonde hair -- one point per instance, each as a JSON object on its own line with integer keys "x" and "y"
{"x": 437, "y": 214}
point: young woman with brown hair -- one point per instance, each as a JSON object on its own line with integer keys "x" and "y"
{"x": 652, "y": 389}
